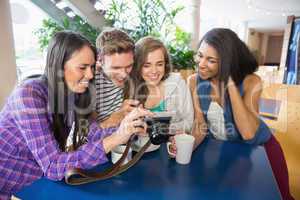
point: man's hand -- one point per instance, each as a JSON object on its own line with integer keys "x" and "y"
{"x": 128, "y": 105}
{"x": 116, "y": 117}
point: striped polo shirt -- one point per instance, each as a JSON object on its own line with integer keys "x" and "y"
{"x": 109, "y": 97}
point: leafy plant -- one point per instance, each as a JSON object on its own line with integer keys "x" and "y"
{"x": 115, "y": 13}
{"x": 150, "y": 18}
{"x": 45, "y": 33}
{"x": 181, "y": 54}
{"x": 153, "y": 18}
{"x": 77, "y": 24}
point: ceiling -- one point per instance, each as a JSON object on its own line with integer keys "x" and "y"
{"x": 262, "y": 15}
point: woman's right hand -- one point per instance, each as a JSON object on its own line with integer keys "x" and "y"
{"x": 133, "y": 123}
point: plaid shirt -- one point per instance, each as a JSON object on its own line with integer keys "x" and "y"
{"x": 28, "y": 149}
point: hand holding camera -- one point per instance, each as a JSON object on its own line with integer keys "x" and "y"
{"x": 133, "y": 123}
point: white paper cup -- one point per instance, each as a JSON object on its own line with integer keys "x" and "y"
{"x": 184, "y": 146}
{"x": 117, "y": 153}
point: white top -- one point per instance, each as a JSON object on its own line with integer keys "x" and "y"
{"x": 178, "y": 100}
{"x": 216, "y": 121}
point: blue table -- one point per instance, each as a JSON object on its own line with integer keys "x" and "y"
{"x": 218, "y": 170}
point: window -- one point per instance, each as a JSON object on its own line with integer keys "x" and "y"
{"x": 27, "y": 18}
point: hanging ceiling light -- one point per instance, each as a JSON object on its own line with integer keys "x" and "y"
{"x": 98, "y": 6}
{"x": 69, "y": 12}
{"x": 61, "y": 5}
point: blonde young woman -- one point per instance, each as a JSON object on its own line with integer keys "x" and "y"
{"x": 157, "y": 88}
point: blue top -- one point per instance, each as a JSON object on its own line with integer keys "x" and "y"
{"x": 262, "y": 134}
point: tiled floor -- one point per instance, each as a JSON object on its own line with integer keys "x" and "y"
{"x": 287, "y": 128}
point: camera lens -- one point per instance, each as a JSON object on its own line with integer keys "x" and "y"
{"x": 158, "y": 129}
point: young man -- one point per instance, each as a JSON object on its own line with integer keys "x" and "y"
{"x": 114, "y": 63}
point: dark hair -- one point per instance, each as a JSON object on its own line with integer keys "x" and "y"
{"x": 236, "y": 60}
{"x": 62, "y": 46}
{"x": 142, "y": 48}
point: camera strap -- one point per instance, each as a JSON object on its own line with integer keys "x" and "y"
{"x": 79, "y": 176}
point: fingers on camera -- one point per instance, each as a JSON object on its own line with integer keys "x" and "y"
{"x": 138, "y": 113}
{"x": 139, "y": 123}
{"x": 139, "y": 126}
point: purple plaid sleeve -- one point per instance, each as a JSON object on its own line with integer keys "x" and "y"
{"x": 31, "y": 116}
{"x": 97, "y": 133}
{"x": 28, "y": 148}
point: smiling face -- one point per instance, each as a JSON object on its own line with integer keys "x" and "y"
{"x": 117, "y": 67}
{"x": 153, "y": 69}
{"x": 208, "y": 60}
{"x": 78, "y": 70}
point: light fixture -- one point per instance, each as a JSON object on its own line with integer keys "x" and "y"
{"x": 61, "y": 5}
{"x": 69, "y": 12}
{"x": 98, "y": 5}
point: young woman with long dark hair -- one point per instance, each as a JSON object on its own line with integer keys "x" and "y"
{"x": 226, "y": 95}
{"x": 43, "y": 112}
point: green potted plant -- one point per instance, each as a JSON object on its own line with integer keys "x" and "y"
{"x": 151, "y": 17}
{"x": 181, "y": 54}
{"x": 50, "y": 27}
{"x": 154, "y": 18}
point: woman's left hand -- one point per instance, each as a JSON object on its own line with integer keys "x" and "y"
{"x": 172, "y": 146}
{"x": 230, "y": 81}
